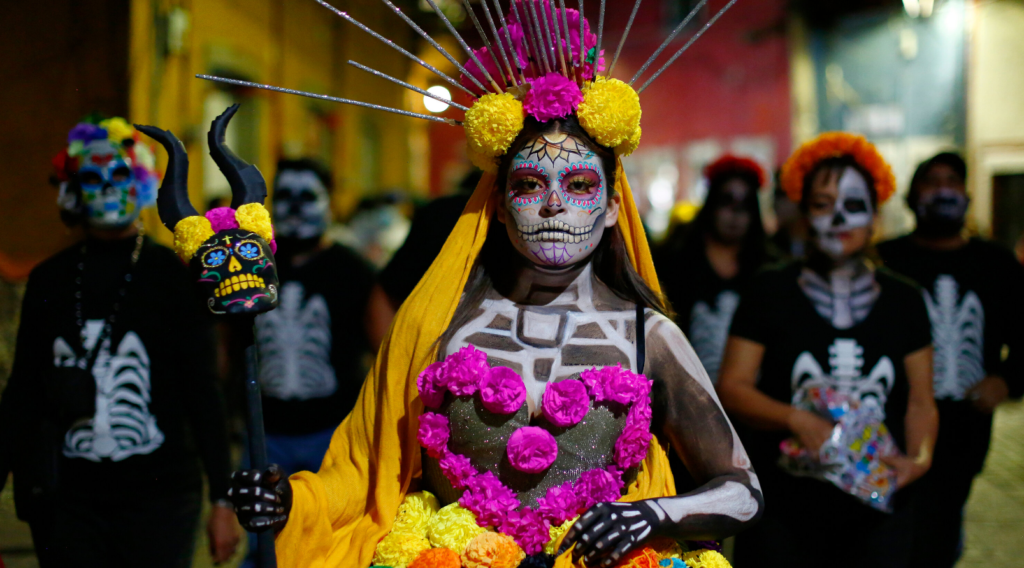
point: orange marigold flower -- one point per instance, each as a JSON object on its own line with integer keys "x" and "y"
{"x": 437, "y": 558}
{"x": 835, "y": 145}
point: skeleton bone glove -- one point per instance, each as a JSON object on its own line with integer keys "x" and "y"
{"x": 609, "y": 531}
{"x": 262, "y": 499}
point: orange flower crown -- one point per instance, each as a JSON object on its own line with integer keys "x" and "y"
{"x": 835, "y": 145}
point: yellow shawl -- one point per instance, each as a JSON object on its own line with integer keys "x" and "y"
{"x": 340, "y": 513}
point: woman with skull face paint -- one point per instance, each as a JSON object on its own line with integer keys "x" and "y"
{"x": 107, "y": 428}
{"x": 869, "y": 327}
{"x": 973, "y": 292}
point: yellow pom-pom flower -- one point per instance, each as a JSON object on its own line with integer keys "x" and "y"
{"x": 398, "y": 550}
{"x": 556, "y": 534}
{"x": 254, "y": 217}
{"x": 705, "y": 559}
{"x": 415, "y": 512}
{"x": 453, "y": 527}
{"x": 189, "y": 234}
{"x": 437, "y": 558}
{"x": 492, "y": 550}
{"x": 491, "y": 124}
{"x": 117, "y": 129}
{"x": 629, "y": 146}
{"x": 610, "y": 112}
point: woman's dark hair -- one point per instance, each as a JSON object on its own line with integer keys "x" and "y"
{"x": 752, "y": 251}
{"x": 835, "y": 166}
{"x": 498, "y": 260}
{"x": 949, "y": 159}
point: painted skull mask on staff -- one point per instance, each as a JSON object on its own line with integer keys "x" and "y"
{"x": 230, "y": 250}
{"x": 557, "y": 200}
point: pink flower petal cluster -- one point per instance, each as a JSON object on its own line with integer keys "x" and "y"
{"x": 615, "y": 384}
{"x": 488, "y": 499}
{"x": 640, "y": 413}
{"x": 532, "y": 449}
{"x": 432, "y": 384}
{"x": 565, "y": 403}
{"x": 457, "y": 468}
{"x": 433, "y": 433}
{"x": 560, "y": 503}
{"x": 528, "y": 528}
{"x": 502, "y": 391}
{"x": 465, "y": 369}
{"x": 599, "y": 486}
{"x": 631, "y": 447}
{"x": 222, "y": 219}
{"x": 552, "y": 96}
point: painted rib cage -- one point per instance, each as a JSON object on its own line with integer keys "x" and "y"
{"x": 709, "y": 330}
{"x": 958, "y": 334}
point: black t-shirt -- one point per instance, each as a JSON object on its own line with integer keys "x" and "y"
{"x": 975, "y": 299}
{"x": 157, "y": 406}
{"x": 802, "y": 350}
{"x": 313, "y": 347}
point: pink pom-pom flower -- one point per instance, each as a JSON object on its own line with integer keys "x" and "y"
{"x": 615, "y": 384}
{"x": 465, "y": 369}
{"x": 502, "y": 391}
{"x": 528, "y": 528}
{"x": 599, "y": 486}
{"x": 433, "y": 433}
{"x": 488, "y": 499}
{"x": 222, "y": 219}
{"x": 431, "y": 385}
{"x": 565, "y": 403}
{"x": 532, "y": 449}
{"x": 552, "y": 96}
{"x": 631, "y": 447}
{"x": 457, "y": 469}
{"x": 560, "y": 503}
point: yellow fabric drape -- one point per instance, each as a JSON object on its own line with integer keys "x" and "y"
{"x": 340, "y": 513}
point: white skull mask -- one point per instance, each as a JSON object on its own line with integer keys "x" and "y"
{"x": 301, "y": 204}
{"x": 852, "y": 210}
{"x": 557, "y": 200}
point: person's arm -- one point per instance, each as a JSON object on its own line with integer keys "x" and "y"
{"x": 921, "y": 422}
{"x": 1006, "y": 379}
{"x": 688, "y": 414}
{"x": 378, "y": 316}
{"x": 737, "y": 386}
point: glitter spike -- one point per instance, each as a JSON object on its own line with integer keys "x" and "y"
{"x": 465, "y": 47}
{"x": 414, "y": 88}
{"x": 625, "y": 34}
{"x": 668, "y": 40}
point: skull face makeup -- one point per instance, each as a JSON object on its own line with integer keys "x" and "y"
{"x": 557, "y": 203}
{"x": 732, "y": 217}
{"x": 108, "y": 186}
{"x": 839, "y": 212}
{"x": 236, "y": 271}
{"x": 301, "y": 204}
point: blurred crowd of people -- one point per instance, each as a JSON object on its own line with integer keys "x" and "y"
{"x": 108, "y": 429}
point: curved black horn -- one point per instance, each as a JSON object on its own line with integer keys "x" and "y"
{"x": 247, "y": 183}
{"x": 172, "y": 201}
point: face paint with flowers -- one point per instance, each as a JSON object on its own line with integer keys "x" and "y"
{"x": 108, "y": 186}
{"x": 557, "y": 200}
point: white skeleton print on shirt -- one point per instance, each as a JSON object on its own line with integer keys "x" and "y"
{"x": 122, "y": 425}
{"x": 295, "y": 347}
{"x": 709, "y": 329}
{"x": 845, "y": 376}
{"x": 958, "y": 334}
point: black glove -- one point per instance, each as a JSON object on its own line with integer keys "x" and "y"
{"x": 609, "y": 531}
{"x": 262, "y": 499}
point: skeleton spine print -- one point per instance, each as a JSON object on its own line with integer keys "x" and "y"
{"x": 709, "y": 330}
{"x": 958, "y": 334}
{"x": 845, "y": 376}
{"x": 122, "y": 425}
{"x": 295, "y": 347}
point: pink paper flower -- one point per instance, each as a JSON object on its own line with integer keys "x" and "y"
{"x": 432, "y": 385}
{"x": 222, "y": 219}
{"x": 528, "y": 529}
{"x": 488, "y": 499}
{"x": 457, "y": 468}
{"x": 488, "y": 62}
{"x": 560, "y": 503}
{"x": 599, "y": 486}
{"x": 502, "y": 391}
{"x": 640, "y": 414}
{"x": 552, "y": 96}
{"x": 465, "y": 369}
{"x": 532, "y": 449}
{"x": 565, "y": 403}
{"x": 631, "y": 447}
{"x": 433, "y": 433}
{"x": 615, "y": 384}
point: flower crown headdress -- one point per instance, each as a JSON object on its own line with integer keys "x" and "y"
{"x": 543, "y": 61}
{"x": 836, "y": 145}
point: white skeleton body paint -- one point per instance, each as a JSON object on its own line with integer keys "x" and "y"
{"x": 709, "y": 329}
{"x": 846, "y": 375}
{"x": 295, "y": 347}
{"x": 958, "y": 333}
{"x": 846, "y": 298}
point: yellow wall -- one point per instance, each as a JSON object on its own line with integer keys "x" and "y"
{"x": 291, "y": 43}
{"x": 995, "y": 112}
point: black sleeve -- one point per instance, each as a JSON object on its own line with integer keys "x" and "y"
{"x": 1012, "y": 369}
{"x": 22, "y": 401}
{"x": 918, "y": 326}
{"x": 191, "y": 328}
{"x": 752, "y": 319}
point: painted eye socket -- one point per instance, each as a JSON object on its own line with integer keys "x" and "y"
{"x": 582, "y": 184}
{"x": 215, "y": 257}
{"x": 249, "y": 250}
{"x": 527, "y": 183}
{"x": 121, "y": 174}
{"x": 855, "y": 206}
{"x": 90, "y": 177}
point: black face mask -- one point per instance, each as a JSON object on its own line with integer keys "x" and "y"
{"x": 941, "y": 213}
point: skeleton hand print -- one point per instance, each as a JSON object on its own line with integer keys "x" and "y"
{"x": 262, "y": 499}
{"x": 557, "y": 203}
{"x": 609, "y": 531}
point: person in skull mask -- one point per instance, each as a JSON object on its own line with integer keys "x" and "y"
{"x": 103, "y": 417}
{"x": 973, "y": 292}
{"x": 831, "y": 323}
